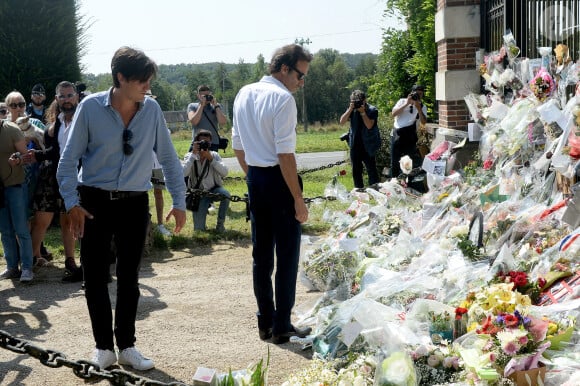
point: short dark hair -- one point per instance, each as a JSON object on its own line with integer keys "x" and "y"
{"x": 288, "y": 55}
{"x": 203, "y": 87}
{"x": 358, "y": 95}
{"x": 418, "y": 87}
{"x": 64, "y": 84}
{"x": 133, "y": 64}
{"x": 203, "y": 133}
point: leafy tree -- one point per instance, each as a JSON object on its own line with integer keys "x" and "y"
{"x": 260, "y": 68}
{"x": 326, "y": 88}
{"x": 40, "y": 42}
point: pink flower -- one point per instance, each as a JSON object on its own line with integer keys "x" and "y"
{"x": 523, "y": 340}
{"x": 511, "y": 348}
{"x": 492, "y": 357}
{"x": 538, "y": 329}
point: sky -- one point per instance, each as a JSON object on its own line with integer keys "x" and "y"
{"x": 194, "y": 31}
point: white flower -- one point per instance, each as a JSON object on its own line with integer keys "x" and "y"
{"x": 406, "y": 164}
{"x": 458, "y": 230}
{"x": 398, "y": 369}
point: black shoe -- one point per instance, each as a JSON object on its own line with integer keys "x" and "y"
{"x": 285, "y": 337}
{"x": 73, "y": 276}
{"x": 266, "y": 334}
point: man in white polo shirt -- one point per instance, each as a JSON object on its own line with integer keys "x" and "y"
{"x": 264, "y": 141}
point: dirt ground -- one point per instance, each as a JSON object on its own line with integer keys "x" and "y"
{"x": 197, "y": 309}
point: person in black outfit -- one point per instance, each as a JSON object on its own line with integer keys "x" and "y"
{"x": 364, "y": 139}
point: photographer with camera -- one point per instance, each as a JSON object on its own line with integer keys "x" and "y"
{"x": 206, "y": 171}
{"x": 404, "y": 138}
{"x": 363, "y": 138}
{"x": 207, "y": 115}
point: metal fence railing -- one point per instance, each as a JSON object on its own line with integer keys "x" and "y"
{"x": 534, "y": 23}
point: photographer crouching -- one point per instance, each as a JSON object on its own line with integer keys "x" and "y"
{"x": 206, "y": 171}
{"x": 404, "y": 138}
{"x": 363, "y": 138}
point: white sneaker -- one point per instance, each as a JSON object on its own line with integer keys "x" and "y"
{"x": 26, "y": 276}
{"x": 104, "y": 358}
{"x": 164, "y": 231}
{"x": 130, "y": 356}
{"x": 211, "y": 209}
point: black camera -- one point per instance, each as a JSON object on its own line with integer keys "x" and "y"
{"x": 357, "y": 104}
{"x": 208, "y": 97}
{"x": 345, "y": 137}
{"x": 415, "y": 96}
{"x": 204, "y": 145}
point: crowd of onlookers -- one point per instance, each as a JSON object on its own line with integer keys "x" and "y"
{"x": 33, "y": 136}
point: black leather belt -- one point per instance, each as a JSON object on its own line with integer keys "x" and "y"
{"x": 111, "y": 195}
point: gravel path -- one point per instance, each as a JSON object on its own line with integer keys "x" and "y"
{"x": 197, "y": 309}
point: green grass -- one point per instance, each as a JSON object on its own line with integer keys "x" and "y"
{"x": 317, "y": 139}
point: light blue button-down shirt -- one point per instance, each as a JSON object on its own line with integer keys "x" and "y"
{"x": 96, "y": 138}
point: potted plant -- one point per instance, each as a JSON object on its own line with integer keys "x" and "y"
{"x": 440, "y": 326}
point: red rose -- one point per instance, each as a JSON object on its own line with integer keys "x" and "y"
{"x": 521, "y": 280}
{"x": 541, "y": 282}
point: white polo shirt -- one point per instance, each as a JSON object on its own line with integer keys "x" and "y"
{"x": 264, "y": 122}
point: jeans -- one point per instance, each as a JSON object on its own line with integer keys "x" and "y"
{"x": 126, "y": 220}
{"x": 274, "y": 228}
{"x": 16, "y": 238}
{"x": 358, "y": 157}
{"x": 201, "y": 214}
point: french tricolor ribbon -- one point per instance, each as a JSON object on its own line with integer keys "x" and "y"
{"x": 568, "y": 241}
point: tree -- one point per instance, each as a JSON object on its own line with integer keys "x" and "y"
{"x": 260, "y": 68}
{"x": 40, "y": 42}
{"x": 327, "y": 86}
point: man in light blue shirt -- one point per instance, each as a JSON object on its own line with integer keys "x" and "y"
{"x": 112, "y": 134}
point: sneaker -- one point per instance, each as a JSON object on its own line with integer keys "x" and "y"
{"x": 10, "y": 273}
{"x": 104, "y": 358}
{"x": 26, "y": 276}
{"x": 211, "y": 209}
{"x": 130, "y": 356}
{"x": 164, "y": 231}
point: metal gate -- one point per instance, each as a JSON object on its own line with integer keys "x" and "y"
{"x": 534, "y": 23}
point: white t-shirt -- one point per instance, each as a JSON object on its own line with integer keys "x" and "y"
{"x": 406, "y": 117}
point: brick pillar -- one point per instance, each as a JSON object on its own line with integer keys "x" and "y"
{"x": 457, "y": 31}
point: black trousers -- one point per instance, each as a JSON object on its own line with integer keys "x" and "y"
{"x": 126, "y": 219}
{"x": 274, "y": 228}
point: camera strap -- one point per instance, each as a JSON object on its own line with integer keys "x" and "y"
{"x": 212, "y": 125}
{"x": 204, "y": 170}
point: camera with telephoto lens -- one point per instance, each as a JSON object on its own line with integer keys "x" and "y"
{"x": 208, "y": 97}
{"x": 415, "y": 96}
{"x": 204, "y": 145}
{"x": 357, "y": 103}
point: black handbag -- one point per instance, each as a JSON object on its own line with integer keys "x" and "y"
{"x": 222, "y": 142}
{"x": 192, "y": 201}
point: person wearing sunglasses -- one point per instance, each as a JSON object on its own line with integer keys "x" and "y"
{"x": 114, "y": 133}
{"x": 36, "y": 108}
{"x": 264, "y": 141}
{"x": 47, "y": 200}
{"x": 407, "y": 112}
{"x": 16, "y": 108}
{"x": 364, "y": 138}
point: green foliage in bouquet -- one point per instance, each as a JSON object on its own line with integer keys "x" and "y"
{"x": 439, "y": 321}
{"x": 328, "y": 269}
{"x": 469, "y": 250}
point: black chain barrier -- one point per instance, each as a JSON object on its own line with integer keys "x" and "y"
{"x": 81, "y": 368}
